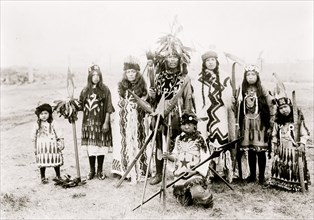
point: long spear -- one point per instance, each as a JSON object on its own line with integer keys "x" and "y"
{"x": 160, "y": 110}
{"x": 135, "y": 159}
{"x": 150, "y": 159}
{"x": 145, "y": 106}
{"x": 182, "y": 176}
{"x": 165, "y": 149}
{"x": 68, "y": 109}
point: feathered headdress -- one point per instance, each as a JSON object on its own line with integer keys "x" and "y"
{"x": 94, "y": 67}
{"x": 172, "y": 45}
{"x": 251, "y": 67}
{"x": 280, "y": 94}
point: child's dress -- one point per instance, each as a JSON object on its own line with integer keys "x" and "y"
{"x": 46, "y": 148}
{"x": 254, "y": 127}
{"x": 95, "y": 106}
{"x": 189, "y": 151}
{"x": 285, "y": 169}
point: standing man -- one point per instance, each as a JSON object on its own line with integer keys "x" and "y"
{"x": 171, "y": 61}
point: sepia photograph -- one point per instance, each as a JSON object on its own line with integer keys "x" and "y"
{"x": 157, "y": 109}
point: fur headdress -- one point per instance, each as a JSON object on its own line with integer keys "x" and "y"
{"x": 172, "y": 45}
{"x": 209, "y": 54}
{"x": 43, "y": 107}
{"x": 131, "y": 62}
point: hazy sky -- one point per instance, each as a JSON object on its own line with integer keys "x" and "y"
{"x": 56, "y": 32}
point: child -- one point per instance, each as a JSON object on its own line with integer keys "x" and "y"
{"x": 95, "y": 101}
{"x": 47, "y": 141}
{"x": 189, "y": 150}
{"x": 285, "y": 168}
{"x": 255, "y": 121}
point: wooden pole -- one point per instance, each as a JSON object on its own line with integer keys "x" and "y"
{"x": 213, "y": 155}
{"x": 165, "y": 150}
{"x": 297, "y": 123}
{"x": 135, "y": 160}
{"x": 150, "y": 159}
{"x": 78, "y": 174}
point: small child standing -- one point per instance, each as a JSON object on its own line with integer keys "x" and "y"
{"x": 47, "y": 142}
{"x": 190, "y": 149}
{"x": 285, "y": 167}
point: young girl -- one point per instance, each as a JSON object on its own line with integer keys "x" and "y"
{"x": 130, "y": 128}
{"x": 190, "y": 149}
{"x": 96, "y": 103}
{"x": 285, "y": 169}
{"x": 255, "y": 114}
{"x": 47, "y": 141}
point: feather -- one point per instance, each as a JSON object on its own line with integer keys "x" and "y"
{"x": 280, "y": 89}
{"x": 259, "y": 62}
{"x": 235, "y": 59}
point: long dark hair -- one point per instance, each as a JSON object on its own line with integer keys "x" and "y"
{"x": 203, "y": 73}
{"x": 138, "y": 85}
{"x": 262, "y": 103}
{"x": 100, "y": 87}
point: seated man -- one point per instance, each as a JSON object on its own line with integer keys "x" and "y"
{"x": 189, "y": 150}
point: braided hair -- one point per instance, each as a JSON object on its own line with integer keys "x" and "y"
{"x": 205, "y": 78}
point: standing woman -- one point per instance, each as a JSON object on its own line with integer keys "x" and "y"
{"x": 255, "y": 121}
{"x": 130, "y": 127}
{"x": 216, "y": 108}
{"x": 96, "y": 103}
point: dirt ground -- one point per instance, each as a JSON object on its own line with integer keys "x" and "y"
{"x": 24, "y": 197}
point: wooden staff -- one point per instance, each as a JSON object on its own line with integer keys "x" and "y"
{"x": 236, "y": 127}
{"x": 70, "y": 88}
{"x": 297, "y": 123}
{"x": 145, "y": 106}
{"x": 150, "y": 159}
{"x": 135, "y": 160}
{"x": 165, "y": 150}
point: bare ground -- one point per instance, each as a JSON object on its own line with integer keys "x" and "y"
{"x": 24, "y": 197}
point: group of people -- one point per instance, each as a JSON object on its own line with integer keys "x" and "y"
{"x": 185, "y": 133}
